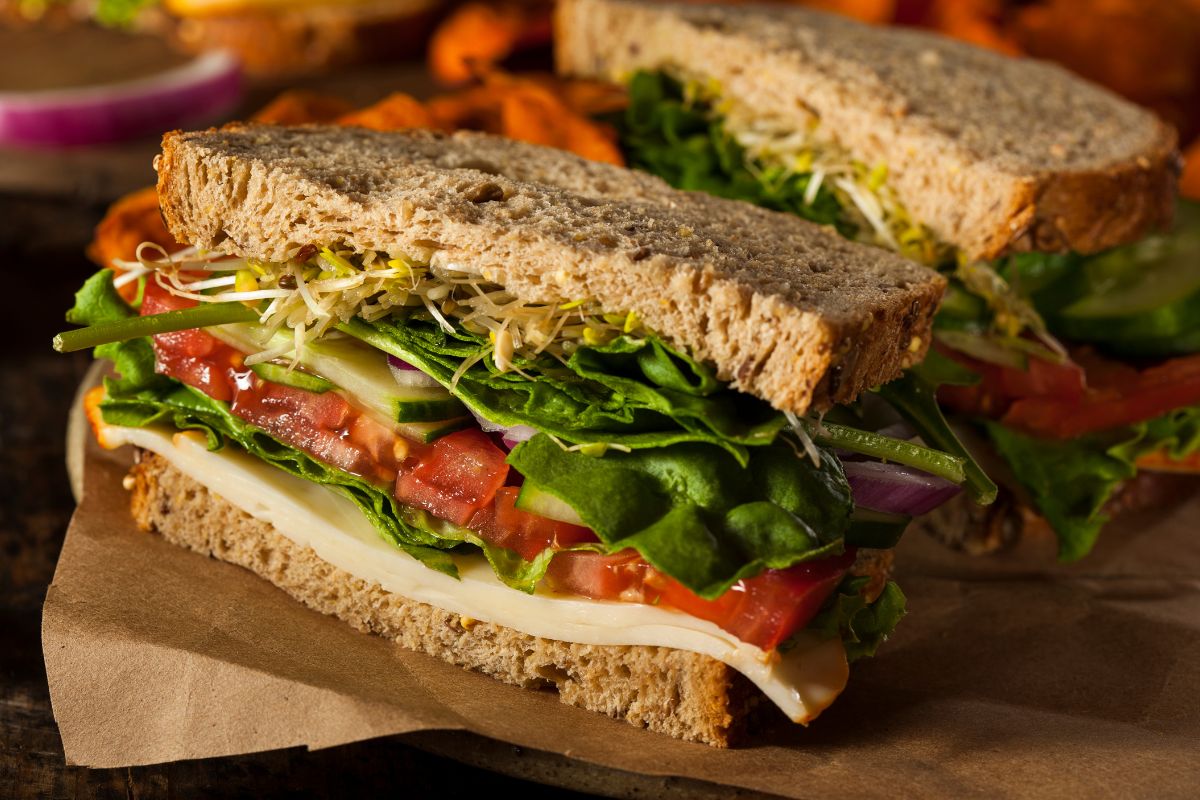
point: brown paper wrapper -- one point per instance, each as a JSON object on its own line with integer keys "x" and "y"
{"x": 1010, "y": 675}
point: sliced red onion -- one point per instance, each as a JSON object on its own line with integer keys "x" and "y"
{"x": 200, "y": 91}
{"x": 510, "y": 435}
{"x": 896, "y": 489}
{"x": 517, "y": 434}
{"x": 408, "y": 375}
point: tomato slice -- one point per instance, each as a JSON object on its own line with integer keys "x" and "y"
{"x": 764, "y": 610}
{"x": 455, "y": 477}
{"x": 325, "y": 425}
{"x": 1118, "y": 395}
{"x": 1088, "y": 394}
{"x": 505, "y": 525}
{"x": 999, "y": 386}
{"x": 620, "y": 576}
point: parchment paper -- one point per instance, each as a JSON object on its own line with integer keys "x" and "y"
{"x": 1010, "y": 676}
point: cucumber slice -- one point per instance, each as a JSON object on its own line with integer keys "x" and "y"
{"x": 426, "y": 432}
{"x": 292, "y": 377}
{"x": 538, "y": 501}
{"x": 362, "y": 373}
{"x": 1147, "y": 290}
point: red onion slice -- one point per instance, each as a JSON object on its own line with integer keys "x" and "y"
{"x": 895, "y": 489}
{"x": 200, "y": 91}
{"x": 408, "y": 375}
{"x": 510, "y": 435}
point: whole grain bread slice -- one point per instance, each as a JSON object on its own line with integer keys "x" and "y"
{"x": 993, "y": 153}
{"x": 682, "y": 694}
{"x": 783, "y": 308}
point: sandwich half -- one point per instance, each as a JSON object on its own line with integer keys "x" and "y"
{"x": 1044, "y": 199}
{"x": 538, "y": 416}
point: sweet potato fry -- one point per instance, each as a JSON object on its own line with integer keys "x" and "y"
{"x": 477, "y": 109}
{"x": 296, "y": 107}
{"x": 976, "y": 21}
{"x": 875, "y": 11}
{"x": 580, "y": 94}
{"x": 533, "y": 114}
{"x": 1189, "y": 183}
{"x": 474, "y": 38}
{"x": 1146, "y": 50}
{"x": 397, "y": 110}
{"x": 130, "y": 221}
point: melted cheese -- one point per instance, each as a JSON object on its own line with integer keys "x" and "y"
{"x": 802, "y": 682}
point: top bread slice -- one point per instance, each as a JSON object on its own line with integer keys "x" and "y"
{"x": 994, "y": 154}
{"x": 784, "y": 309}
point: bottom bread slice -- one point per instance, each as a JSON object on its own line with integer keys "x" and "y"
{"x": 679, "y": 693}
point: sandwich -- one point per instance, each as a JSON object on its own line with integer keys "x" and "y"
{"x": 541, "y": 417}
{"x": 1073, "y": 306}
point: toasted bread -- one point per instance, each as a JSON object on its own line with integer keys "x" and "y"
{"x": 784, "y": 309}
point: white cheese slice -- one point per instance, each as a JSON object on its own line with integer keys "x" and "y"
{"x": 802, "y": 682}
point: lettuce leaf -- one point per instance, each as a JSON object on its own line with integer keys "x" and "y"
{"x": 1071, "y": 481}
{"x": 689, "y": 148}
{"x": 862, "y": 626}
{"x": 693, "y": 512}
{"x": 638, "y": 393}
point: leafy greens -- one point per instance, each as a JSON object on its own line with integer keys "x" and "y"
{"x": 689, "y": 148}
{"x": 686, "y": 504}
{"x": 1072, "y": 481}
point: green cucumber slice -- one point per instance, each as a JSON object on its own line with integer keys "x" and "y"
{"x": 426, "y": 432}
{"x": 292, "y": 377}
{"x": 1146, "y": 290}
{"x": 362, "y": 373}
{"x": 538, "y": 501}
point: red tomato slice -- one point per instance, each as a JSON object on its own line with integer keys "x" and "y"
{"x": 999, "y": 386}
{"x": 764, "y": 610}
{"x": 620, "y": 576}
{"x": 455, "y": 477}
{"x": 1118, "y": 395}
{"x": 505, "y": 525}
{"x": 768, "y": 608}
{"x": 1091, "y": 393}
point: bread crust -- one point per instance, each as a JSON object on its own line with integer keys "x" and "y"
{"x": 994, "y": 154}
{"x": 784, "y": 309}
{"x": 678, "y": 693}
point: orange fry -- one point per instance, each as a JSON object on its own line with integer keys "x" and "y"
{"x": 130, "y": 221}
{"x": 876, "y": 11}
{"x": 474, "y": 38}
{"x": 580, "y": 94}
{"x": 975, "y": 21}
{"x": 1189, "y": 182}
{"x": 297, "y": 106}
{"x": 535, "y": 115}
{"x": 397, "y": 110}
